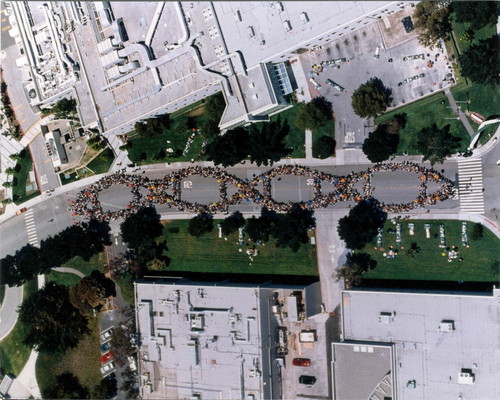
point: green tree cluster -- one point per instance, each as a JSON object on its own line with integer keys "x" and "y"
{"x": 84, "y": 241}
{"x": 436, "y": 144}
{"x": 91, "y": 292}
{"x": 49, "y": 321}
{"x": 153, "y": 126}
{"x": 361, "y": 225}
{"x": 266, "y": 142}
{"x": 214, "y": 108}
{"x": 200, "y": 225}
{"x": 432, "y": 21}
{"x": 314, "y": 114}
{"x": 229, "y": 149}
{"x": 356, "y": 265}
{"x": 141, "y": 231}
{"x": 323, "y": 147}
{"x": 480, "y": 62}
{"x": 63, "y": 109}
{"x": 370, "y": 99}
{"x": 232, "y": 223}
{"x": 96, "y": 142}
{"x": 477, "y": 13}
{"x": 380, "y": 144}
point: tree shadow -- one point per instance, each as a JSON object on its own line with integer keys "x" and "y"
{"x": 323, "y": 105}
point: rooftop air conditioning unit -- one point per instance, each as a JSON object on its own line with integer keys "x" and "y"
{"x": 251, "y": 32}
{"x": 287, "y": 26}
{"x": 385, "y": 317}
{"x": 465, "y": 377}
{"x": 446, "y": 326}
{"x": 304, "y": 18}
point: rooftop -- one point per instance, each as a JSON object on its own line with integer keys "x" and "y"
{"x": 436, "y": 337}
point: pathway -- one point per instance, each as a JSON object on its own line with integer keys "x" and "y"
{"x": 308, "y": 145}
{"x": 456, "y": 108}
{"x": 34, "y": 130}
{"x": 69, "y": 271}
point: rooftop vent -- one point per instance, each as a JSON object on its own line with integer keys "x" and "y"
{"x": 386, "y": 317}
{"x": 287, "y": 26}
{"x": 304, "y": 18}
{"x": 466, "y": 377}
{"x": 446, "y": 326}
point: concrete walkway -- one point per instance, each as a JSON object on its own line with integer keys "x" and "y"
{"x": 26, "y": 382}
{"x": 455, "y": 108}
{"x": 34, "y": 130}
{"x": 308, "y": 145}
{"x": 69, "y": 271}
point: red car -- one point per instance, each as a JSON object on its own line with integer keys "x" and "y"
{"x": 301, "y": 362}
{"x": 106, "y": 357}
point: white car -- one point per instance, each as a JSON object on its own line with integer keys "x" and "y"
{"x": 107, "y": 368}
{"x": 106, "y": 335}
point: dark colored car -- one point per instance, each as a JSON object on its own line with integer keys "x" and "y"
{"x": 105, "y": 347}
{"x": 301, "y": 362}
{"x": 408, "y": 24}
{"x": 307, "y": 379}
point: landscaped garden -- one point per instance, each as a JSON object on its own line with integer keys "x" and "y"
{"x": 24, "y": 189}
{"x": 422, "y": 114}
{"x": 97, "y": 262}
{"x": 296, "y": 138}
{"x": 63, "y": 278}
{"x": 476, "y": 261}
{"x": 211, "y": 253}
{"x": 82, "y": 361}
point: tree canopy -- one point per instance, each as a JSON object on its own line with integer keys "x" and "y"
{"x": 49, "y": 321}
{"x": 480, "y": 63}
{"x": 93, "y": 290}
{"x": 432, "y": 21}
{"x": 214, "y": 108}
{"x": 291, "y": 229}
{"x": 232, "y": 223}
{"x": 201, "y": 224}
{"x": 143, "y": 226}
{"x": 230, "y": 148}
{"x": 313, "y": 115}
{"x": 64, "y": 108}
{"x": 67, "y": 386}
{"x": 380, "y": 145}
{"x": 354, "y": 268}
{"x": 266, "y": 142}
{"x": 477, "y": 13}
{"x": 436, "y": 144}
{"x": 323, "y": 147}
{"x": 361, "y": 225}
{"x": 370, "y": 99}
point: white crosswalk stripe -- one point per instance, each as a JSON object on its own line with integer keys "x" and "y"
{"x": 29, "y": 219}
{"x": 470, "y": 186}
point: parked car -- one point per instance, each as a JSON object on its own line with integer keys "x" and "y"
{"x": 106, "y": 334}
{"x": 408, "y": 24}
{"x": 106, "y": 357}
{"x": 22, "y": 210}
{"x": 307, "y": 379}
{"x": 105, "y": 347}
{"x": 105, "y": 369}
{"x": 301, "y": 362}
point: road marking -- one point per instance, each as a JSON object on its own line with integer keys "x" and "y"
{"x": 310, "y": 182}
{"x": 29, "y": 220}
{"x": 470, "y": 187}
{"x": 188, "y": 184}
{"x": 6, "y": 27}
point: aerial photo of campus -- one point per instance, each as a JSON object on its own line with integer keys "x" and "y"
{"x": 250, "y": 200}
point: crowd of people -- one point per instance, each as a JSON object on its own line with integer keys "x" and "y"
{"x": 167, "y": 190}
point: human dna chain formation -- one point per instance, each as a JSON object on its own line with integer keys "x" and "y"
{"x": 167, "y": 190}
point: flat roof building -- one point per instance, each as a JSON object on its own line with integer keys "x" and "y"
{"x": 202, "y": 340}
{"x": 145, "y": 59}
{"x": 408, "y": 345}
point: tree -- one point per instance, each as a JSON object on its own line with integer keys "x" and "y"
{"x": 266, "y": 144}
{"x": 64, "y": 108}
{"x": 479, "y": 62}
{"x": 380, "y": 145}
{"x": 361, "y": 225}
{"x": 259, "y": 229}
{"x": 67, "y": 386}
{"x": 354, "y": 268}
{"x": 291, "y": 229}
{"x": 121, "y": 347}
{"x": 142, "y": 227}
{"x": 370, "y": 99}
{"x": 477, "y": 13}
{"x": 129, "y": 385}
{"x": 49, "y": 321}
{"x": 323, "y": 147}
{"x": 106, "y": 389}
{"x": 10, "y": 171}
{"x": 232, "y": 223}
{"x": 214, "y": 107}
{"x": 201, "y": 224}
{"x": 436, "y": 144}
{"x": 230, "y": 148}
{"x": 94, "y": 289}
{"x": 477, "y": 232}
{"x": 313, "y": 115}
{"x": 432, "y": 21}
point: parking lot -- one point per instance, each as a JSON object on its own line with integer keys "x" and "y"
{"x": 382, "y": 50}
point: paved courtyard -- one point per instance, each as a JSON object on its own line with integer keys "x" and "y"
{"x": 387, "y": 38}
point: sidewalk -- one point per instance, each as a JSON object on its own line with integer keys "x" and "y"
{"x": 456, "y": 109}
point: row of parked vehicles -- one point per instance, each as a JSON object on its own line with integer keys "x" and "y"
{"x": 107, "y": 364}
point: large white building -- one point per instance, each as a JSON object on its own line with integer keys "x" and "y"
{"x": 126, "y": 61}
{"x": 427, "y": 345}
{"x": 223, "y": 340}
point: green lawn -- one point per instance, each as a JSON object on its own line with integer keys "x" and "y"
{"x": 478, "y": 263}
{"x": 82, "y": 361}
{"x": 102, "y": 163}
{"x": 96, "y": 262}
{"x": 327, "y": 130}
{"x": 63, "y": 278}
{"x": 296, "y": 139}
{"x": 72, "y": 177}
{"x": 213, "y": 254}
{"x": 126, "y": 284}
{"x": 25, "y": 165}
{"x": 14, "y": 353}
{"x": 483, "y": 99}
{"x": 421, "y": 114}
